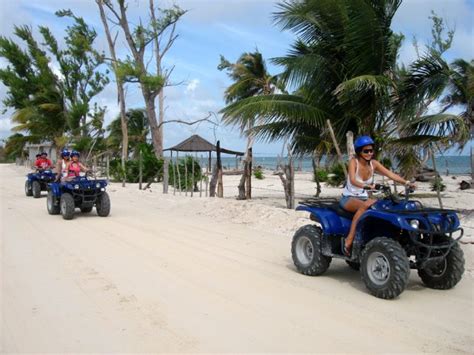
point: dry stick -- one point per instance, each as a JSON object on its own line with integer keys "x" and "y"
{"x": 472, "y": 165}
{"x": 437, "y": 178}
{"x": 220, "y": 185}
{"x": 200, "y": 183}
{"x": 333, "y": 136}
{"x": 185, "y": 177}
{"x": 179, "y": 175}
{"x": 174, "y": 175}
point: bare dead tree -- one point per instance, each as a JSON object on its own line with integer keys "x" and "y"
{"x": 138, "y": 40}
{"x": 120, "y": 89}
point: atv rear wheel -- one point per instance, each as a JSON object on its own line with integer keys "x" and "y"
{"x": 86, "y": 209}
{"x": 67, "y": 206}
{"x": 36, "y": 188}
{"x": 51, "y": 205}
{"x": 103, "y": 205}
{"x": 447, "y": 273}
{"x": 384, "y": 268}
{"x": 28, "y": 191}
{"x": 306, "y": 251}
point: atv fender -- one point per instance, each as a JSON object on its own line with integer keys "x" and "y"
{"x": 330, "y": 221}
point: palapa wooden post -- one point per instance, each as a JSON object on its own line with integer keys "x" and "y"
{"x": 209, "y": 163}
{"x": 165, "y": 176}
{"x": 220, "y": 185}
{"x": 140, "y": 170}
{"x": 213, "y": 182}
{"x": 333, "y": 136}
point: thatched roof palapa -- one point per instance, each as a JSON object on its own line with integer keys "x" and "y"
{"x": 196, "y": 143}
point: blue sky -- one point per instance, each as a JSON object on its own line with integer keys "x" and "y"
{"x": 227, "y": 27}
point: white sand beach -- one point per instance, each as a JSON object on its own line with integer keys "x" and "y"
{"x": 171, "y": 273}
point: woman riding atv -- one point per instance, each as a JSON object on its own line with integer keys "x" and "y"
{"x": 355, "y": 198}
{"x": 61, "y": 165}
{"x": 74, "y": 167}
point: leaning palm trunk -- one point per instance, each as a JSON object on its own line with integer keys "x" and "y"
{"x": 243, "y": 194}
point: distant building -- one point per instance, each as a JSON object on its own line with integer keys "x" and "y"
{"x": 34, "y": 149}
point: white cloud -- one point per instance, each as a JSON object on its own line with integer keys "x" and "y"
{"x": 191, "y": 87}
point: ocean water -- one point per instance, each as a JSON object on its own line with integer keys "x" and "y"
{"x": 454, "y": 164}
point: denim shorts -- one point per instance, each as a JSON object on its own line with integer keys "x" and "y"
{"x": 344, "y": 199}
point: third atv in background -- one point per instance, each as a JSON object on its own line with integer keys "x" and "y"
{"x": 38, "y": 181}
{"x": 392, "y": 237}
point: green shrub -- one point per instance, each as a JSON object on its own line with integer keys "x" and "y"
{"x": 152, "y": 167}
{"x": 437, "y": 183}
{"x": 258, "y": 173}
{"x": 321, "y": 174}
{"x": 181, "y": 179}
{"x": 336, "y": 175}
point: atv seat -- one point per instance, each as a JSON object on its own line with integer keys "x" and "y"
{"x": 341, "y": 211}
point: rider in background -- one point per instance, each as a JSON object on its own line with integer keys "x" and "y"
{"x": 360, "y": 179}
{"x": 74, "y": 167}
{"x": 43, "y": 162}
{"x": 61, "y": 165}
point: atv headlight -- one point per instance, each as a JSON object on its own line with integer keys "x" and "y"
{"x": 97, "y": 185}
{"x": 76, "y": 187}
{"x": 102, "y": 189}
{"x": 415, "y": 224}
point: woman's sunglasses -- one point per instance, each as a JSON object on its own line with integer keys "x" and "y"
{"x": 368, "y": 151}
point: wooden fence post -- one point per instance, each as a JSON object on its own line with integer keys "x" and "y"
{"x": 220, "y": 185}
{"x": 165, "y": 176}
{"x": 248, "y": 181}
{"x": 192, "y": 177}
{"x": 333, "y": 136}
{"x": 185, "y": 177}
{"x": 437, "y": 178}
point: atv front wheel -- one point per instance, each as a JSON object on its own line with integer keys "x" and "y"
{"x": 306, "y": 251}
{"x": 384, "y": 268}
{"x": 36, "y": 188}
{"x": 447, "y": 273}
{"x": 67, "y": 206}
{"x": 28, "y": 191}
{"x": 51, "y": 204}
{"x": 103, "y": 205}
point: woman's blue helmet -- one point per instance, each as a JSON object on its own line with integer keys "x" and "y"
{"x": 75, "y": 153}
{"x": 362, "y": 141}
{"x": 65, "y": 153}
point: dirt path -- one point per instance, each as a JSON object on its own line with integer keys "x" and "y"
{"x": 157, "y": 277}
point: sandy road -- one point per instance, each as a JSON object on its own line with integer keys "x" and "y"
{"x": 156, "y": 277}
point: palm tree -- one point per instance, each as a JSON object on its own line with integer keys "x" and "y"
{"x": 340, "y": 65}
{"x": 251, "y": 79}
{"x": 138, "y": 130}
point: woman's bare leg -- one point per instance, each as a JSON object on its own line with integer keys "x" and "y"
{"x": 359, "y": 207}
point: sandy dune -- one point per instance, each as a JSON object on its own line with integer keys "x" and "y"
{"x": 175, "y": 274}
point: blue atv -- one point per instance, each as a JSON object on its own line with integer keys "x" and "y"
{"x": 80, "y": 192}
{"x": 38, "y": 181}
{"x": 392, "y": 237}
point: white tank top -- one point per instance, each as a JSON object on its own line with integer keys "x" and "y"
{"x": 351, "y": 190}
{"x": 63, "y": 169}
